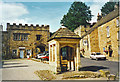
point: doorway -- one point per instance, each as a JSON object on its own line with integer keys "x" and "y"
{"x": 41, "y": 48}
{"x": 21, "y": 54}
{"x": 67, "y": 58}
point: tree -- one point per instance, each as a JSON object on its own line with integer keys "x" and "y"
{"x": 108, "y": 7}
{"x": 78, "y": 14}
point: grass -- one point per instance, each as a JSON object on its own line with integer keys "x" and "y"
{"x": 45, "y": 74}
{"x": 80, "y": 75}
{"x": 49, "y": 75}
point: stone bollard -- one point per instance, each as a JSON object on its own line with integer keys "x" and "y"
{"x": 111, "y": 77}
{"x": 104, "y": 73}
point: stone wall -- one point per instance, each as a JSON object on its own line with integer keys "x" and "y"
{"x": 112, "y": 40}
{"x": 94, "y": 43}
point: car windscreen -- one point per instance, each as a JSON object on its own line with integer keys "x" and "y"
{"x": 47, "y": 54}
{"x": 98, "y": 53}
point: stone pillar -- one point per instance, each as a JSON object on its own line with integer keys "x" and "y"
{"x": 57, "y": 59}
{"x": 49, "y": 53}
{"x": 52, "y": 52}
{"x": 78, "y": 63}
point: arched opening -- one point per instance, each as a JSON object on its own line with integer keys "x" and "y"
{"x": 40, "y": 49}
{"x": 67, "y": 58}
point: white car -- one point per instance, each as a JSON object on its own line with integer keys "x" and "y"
{"x": 97, "y": 56}
{"x": 39, "y": 56}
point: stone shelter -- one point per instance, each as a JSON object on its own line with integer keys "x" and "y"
{"x": 64, "y": 50}
{"x": 103, "y": 36}
{"x": 22, "y": 40}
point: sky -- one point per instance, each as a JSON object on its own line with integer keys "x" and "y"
{"x": 42, "y": 13}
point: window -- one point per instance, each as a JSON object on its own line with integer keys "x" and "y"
{"x": 29, "y": 52}
{"x": 38, "y": 37}
{"x": 108, "y": 33}
{"x": 118, "y": 37}
{"x": 64, "y": 53}
{"x": 84, "y": 42}
{"x": 14, "y": 52}
{"x": 25, "y": 37}
{"x": 117, "y": 22}
{"x": 16, "y": 36}
{"x": 20, "y": 36}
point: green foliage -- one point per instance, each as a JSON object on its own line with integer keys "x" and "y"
{"x": 108, "y": 7}
{"x": 78, "y": 14}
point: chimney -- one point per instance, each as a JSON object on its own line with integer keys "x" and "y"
{"x": 116, "y": 6}
{"x": 99, "y": 17}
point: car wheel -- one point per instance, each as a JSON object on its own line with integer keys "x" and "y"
{"x": 97, "y": 59}
{"x": 104, "y": 58}
{"x": 40, "y": 59}
{"x": 45, "y": 59}
{"x": 91, "y": 58}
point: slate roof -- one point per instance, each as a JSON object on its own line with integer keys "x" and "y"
{"x": 105, "y": 19}
{"x": 64, "y": 33}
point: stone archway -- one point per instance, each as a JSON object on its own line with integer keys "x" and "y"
{"x": 40, "y": 48}
{"x": 67, "y": 58}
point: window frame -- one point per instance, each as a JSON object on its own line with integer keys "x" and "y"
{"x": 38, "y": 36}
{"x": 20, "y": 37}
{"x": 13, "y": 51}
{"x": 117, "y": 22}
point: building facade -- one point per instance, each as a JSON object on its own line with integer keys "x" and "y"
{"x": 23, "y": 40}
{"x": 102, "y": 37}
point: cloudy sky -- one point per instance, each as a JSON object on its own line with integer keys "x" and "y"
{"x": 49, "y": 13}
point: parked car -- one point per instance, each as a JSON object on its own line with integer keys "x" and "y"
{"x": 38, "y": 56}
{"x": 97, "y": 56}
{"x": 45, "y": 57}
{"x": 45, "y": 52}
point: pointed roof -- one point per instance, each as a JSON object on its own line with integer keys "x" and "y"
{"x": 64, "y": 33}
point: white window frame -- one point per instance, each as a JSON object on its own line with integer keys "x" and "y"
{"x": 108, "y": 31}
{"x": 117, "y": 22}
{"x": 85, "y": 42}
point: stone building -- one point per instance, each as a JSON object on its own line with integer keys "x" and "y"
{"x": 84, "y": 42}
{"x": 103, "y": 36}
{"x": 22, "y": 40}
{"x": 64, "y": 51}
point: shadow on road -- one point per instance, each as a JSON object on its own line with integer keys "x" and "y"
{"x": 16, "y": 66}
{"x": 11, "y": 63}
{"x": 92, "y": 68}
